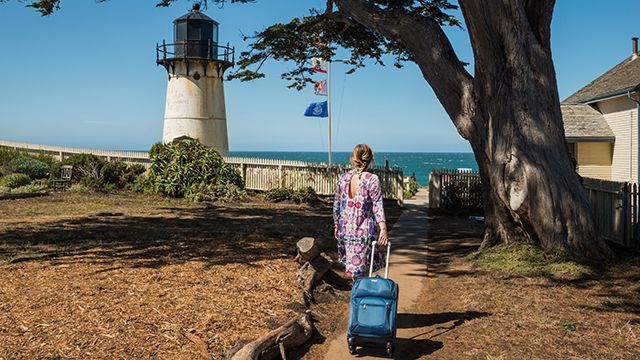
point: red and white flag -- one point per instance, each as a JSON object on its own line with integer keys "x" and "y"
{"x": 318, "y": 65}
{"x": 320, "y": 88}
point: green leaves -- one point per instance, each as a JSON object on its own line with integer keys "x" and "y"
{"x": 327, "y": 33}
{"x": 193, "y": 171}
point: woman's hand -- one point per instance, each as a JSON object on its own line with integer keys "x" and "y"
{"x": 335, "y": 232}
{"x": 384, "y": 236}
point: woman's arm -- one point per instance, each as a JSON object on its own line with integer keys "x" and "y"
{"x": 336, "y": 210}
{"x": 378, "y": 210}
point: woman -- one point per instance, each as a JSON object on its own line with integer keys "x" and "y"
{"x": 358, "y": 216}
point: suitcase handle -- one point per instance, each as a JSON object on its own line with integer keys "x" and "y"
{"x": 373, "y": 252}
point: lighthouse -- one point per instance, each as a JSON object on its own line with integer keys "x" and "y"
{"x": 195, "y": 64}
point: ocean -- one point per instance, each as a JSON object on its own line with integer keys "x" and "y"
{"x": 418, "y": 163}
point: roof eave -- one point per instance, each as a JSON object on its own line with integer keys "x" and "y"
{"x": 616, "y": 94}
{"x": 609, "y": 139}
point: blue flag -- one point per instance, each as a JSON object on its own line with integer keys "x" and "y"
{"x": 317, "y": 109}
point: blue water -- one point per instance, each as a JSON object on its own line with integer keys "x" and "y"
{"x": 418, "y": 163}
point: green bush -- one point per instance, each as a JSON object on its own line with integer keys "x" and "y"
{"x": 279, "y": 194}
{"x": 413, "y": 188}
{"x": 97, "y": 174}
{"x": 16, "y": 180}
{"x": 7, "y": 154}
{"x": 193, "y": 171}
{"x": 27, "y": 165}
{"x": 304, "y": 195}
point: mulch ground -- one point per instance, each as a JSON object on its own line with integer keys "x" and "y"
{"x": 124, "y": 276}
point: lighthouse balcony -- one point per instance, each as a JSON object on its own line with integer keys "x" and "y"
{"x": 194, "y": 50}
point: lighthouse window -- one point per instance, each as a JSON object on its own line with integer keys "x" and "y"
{"x": 196, "y": 76}
{"x": 194, "y": 31}
{"x": 181, "y": 31}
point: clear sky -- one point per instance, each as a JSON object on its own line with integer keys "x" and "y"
{"x": 86, "y": 76}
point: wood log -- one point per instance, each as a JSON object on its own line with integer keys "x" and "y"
{"x": 311, "y": 272}
{"x": 307, "y": 249}
{"x": 14, "y": 196}
{"x": 294, "y": 332}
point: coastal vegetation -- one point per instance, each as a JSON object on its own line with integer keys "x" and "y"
{"x": 303, "y": 195}
{"x": 190, "y": 170}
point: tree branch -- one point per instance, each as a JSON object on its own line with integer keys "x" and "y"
{"x": 427, "y": 43}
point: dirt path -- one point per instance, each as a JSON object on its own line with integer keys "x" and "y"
{"x": 465, "y": 313}
{"x": 407, "y": 268}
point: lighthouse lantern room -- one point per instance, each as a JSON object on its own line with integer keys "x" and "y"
{"x": 195, "y": 63}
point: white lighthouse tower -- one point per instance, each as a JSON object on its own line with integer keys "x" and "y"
{"x": 195, "y": 63}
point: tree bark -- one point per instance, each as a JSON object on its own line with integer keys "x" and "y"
{"x": 509, "y": 111}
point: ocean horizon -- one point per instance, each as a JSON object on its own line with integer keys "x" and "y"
{"x": 420, "y": 163}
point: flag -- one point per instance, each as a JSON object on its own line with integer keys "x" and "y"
{"x": 317, "y": 109}
{"x": 320, "y": 87}
{"x": 318, "y": 65}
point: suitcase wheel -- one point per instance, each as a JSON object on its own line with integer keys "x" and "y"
{"x": 352, "y": 345}
{"x": 389, "y": 349}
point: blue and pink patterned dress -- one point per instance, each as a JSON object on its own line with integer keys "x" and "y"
{"x": 357, "y": 220}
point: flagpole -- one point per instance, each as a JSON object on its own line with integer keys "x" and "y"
{"x": 329, "y": 104}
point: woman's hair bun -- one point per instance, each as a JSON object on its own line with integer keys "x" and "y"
{"x": 361, "y": 157}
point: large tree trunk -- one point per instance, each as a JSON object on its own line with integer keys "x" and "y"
{"x": 510, "y": 113}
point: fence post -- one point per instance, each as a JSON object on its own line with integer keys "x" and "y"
{"x": 280, "y": 177}
{"x": 435, "y": 180}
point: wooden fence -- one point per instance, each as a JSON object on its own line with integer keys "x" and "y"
{"x": 448, "y": 186}
{"x": 258, "y": 174}
{"x": 615, "y": 210}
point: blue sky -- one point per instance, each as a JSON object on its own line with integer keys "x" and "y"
{"x": 86, "y": 76}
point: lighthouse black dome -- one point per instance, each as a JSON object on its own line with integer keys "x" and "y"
{"x": 195, "y": 35}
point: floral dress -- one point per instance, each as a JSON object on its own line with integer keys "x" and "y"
{"x": 357, "y": 220}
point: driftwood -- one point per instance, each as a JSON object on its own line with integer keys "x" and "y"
{"x": 13, "y": 196}
{"x": 311, "y": 272}
{"x": 202, "y": 347}
{"x": 294, "y": 332}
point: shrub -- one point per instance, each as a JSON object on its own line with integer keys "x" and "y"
{"x": 35, "y": 169}
{"x": 16, "y": 180}
{"x": 279, "y": 194}
{"x": 304, "y": 195}
{"x": 413, "y": 188}
{"x": 191, "y": 170}
{"x": 7, "y": 154}
{"x": 98, "y": 174}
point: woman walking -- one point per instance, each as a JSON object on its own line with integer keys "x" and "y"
{"x": 358, "y": 216}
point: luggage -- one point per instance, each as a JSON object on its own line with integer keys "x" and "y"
{"x": 374, "y": 306}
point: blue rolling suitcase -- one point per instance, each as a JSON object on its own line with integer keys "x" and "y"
{"x": 374, "y": 306}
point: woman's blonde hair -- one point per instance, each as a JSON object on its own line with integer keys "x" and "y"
{"x": 361, "y": 157}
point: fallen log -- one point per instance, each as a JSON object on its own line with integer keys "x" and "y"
{"x": 14, "y": 196}
{"x": 311, "y": 272}
{"x": 293, "y": 333}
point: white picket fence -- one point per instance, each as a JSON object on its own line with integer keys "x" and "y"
{"x": 258, "y": 174}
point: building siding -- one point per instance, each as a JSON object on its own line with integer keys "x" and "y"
{"x": 621, "y": 115}
{"x": 594, "y": 159}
